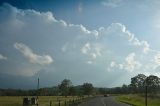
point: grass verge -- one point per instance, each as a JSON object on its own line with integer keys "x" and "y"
{"x": 43, "y": 100}
{"x": 138, "y": 100}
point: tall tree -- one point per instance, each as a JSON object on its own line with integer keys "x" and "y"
{"x": 153, "y": 83}
{"x": 137, "y": 83}
{"x": 65, "y": 86}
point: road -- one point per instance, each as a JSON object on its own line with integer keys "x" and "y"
{"x": 103, "y": 101}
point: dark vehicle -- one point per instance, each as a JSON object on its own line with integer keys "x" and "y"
{"x": 106, "y": 95}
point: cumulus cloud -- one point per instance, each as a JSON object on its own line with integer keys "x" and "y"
{"x": 89, "y": 62}
{"x": 112, "y": 64}
{"x": 131, "y": 63}
{"x": 121, "y": 66}
{"x": 64, "y": 47}
{"x": 112, "y": 3}
{"x": 33, "y": 58}
{"x": 75, "y": 47}
{"x": 85, "y": 49}
{"x": 92, "y": 51}
{"x": 157, "y": 59}
{"x": 2, "y": 57}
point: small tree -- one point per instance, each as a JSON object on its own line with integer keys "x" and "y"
{"x": 64, "y": 87}
{"x": 72, "y": 91}
{"x": 87, "y": 88}
{"x": 125, "y": 88}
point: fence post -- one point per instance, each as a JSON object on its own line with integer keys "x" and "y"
{"x": 50, "y": 103}
{"x": 69, "y": 101}
{"x": 73, "y": 101}
{"x": 65, "y": 103}
{"x": 59, "y": 103}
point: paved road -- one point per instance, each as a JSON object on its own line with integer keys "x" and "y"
{"x": 103, "y": 101}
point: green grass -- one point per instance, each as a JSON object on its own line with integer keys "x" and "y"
{"x": 43, "y": 100}
{"x": 10, "y": 101}
{"x": 138, "y": 100}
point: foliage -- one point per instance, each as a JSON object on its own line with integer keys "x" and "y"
{"x": 137, "y": 83}
{"x": 65, "y": 86}
{"x": 72, "y": 91}
{"x": 87, "y": 88}
{"x": 153, "y": 83}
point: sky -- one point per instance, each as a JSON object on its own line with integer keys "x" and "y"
{"x": 104, "y": 42}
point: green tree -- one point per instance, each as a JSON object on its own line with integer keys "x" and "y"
{"x": 64, "y": 87}
{"x": 102, "y": 90}
{"x": 87, "y": 88}
{"x": 125, "y": 88}
{"x": 137, "y": 83}
{"x": 153, "y": 83}
{"x": 72, "y": 91}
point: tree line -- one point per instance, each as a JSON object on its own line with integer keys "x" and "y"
{"x": 137, "y": 86}
{"x": 66, "y": 88}
{"x": 139, "y": 82}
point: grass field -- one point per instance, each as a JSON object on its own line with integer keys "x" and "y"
{"x": 43, "y": 100}
{"x": 138, "y": 100}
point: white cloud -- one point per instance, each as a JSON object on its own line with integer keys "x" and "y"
{"x": 33, "y": 58}
{"x": 64, "y": 47}
{"x": 112, "y": 64}
{"x": 93, "y": 55}
{"x": 121, "y": 66}
{"x": 85, "y": 49}
{"x": 92, "y": 51}
{"x": 112, "y": 3}
{"x": 80, "y": 7}
{"x": 157, "y": 59}
{"x": 111, "y": 48}
{"x": 156, "y": 20}
{"x": 144, "y": 45}
{"x": 131, "y": 63}
{"x": 89, "y": 62}
{"x": 2, "y": 57}
{"x": 98, "y": 51}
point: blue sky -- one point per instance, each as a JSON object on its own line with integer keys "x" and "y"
{"x": 105, "y": 42}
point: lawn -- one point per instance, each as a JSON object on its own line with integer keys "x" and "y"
{"x": 43, "y": 100}
{"x": 138, "y": 100}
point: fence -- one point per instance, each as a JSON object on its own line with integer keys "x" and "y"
{"x": 59, "y": 101}
{"x": 70, "y": 102}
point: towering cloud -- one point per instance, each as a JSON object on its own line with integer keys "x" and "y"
{"x": 77, "y": 52}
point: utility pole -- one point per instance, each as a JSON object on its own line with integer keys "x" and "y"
{"x": 37, "y": 91}
{"x": 146, "y": 96}
{"x": 146, "y": 90}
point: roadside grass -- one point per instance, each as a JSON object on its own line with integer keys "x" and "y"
{"x": 43, "y": 100}
{"x": 11, "y": 101}
{"x": 138, "y": 100}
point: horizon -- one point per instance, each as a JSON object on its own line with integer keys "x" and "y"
{"x": 104, "y": 42}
